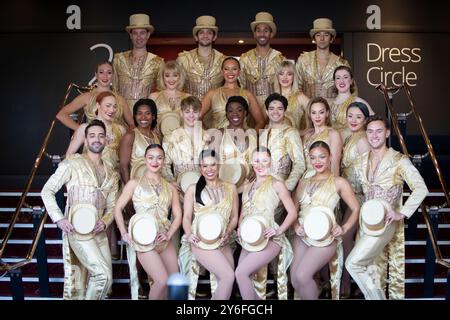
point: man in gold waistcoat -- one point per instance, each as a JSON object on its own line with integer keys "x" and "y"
{"x": 203, "y": 65}
{"x": 315, "y": 68}
{"x": 90, "y": 183}
{"x": 136, "y": 70}
{"x": 258, "y": 66}
{"x": 375, "y": 257}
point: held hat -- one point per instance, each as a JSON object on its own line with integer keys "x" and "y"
{"x": 210, "y": 228}
{"x": 83, "y": 217}
{"x": 168, "y": 122}
{"x": 318, "y": 223}
{"x": 251, "y": 233}
{"x": 143, "y": 229}
{"x": 187, "y": 178}
{"x": 372, "y": 217}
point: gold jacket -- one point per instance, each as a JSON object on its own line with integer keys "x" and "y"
{"x": 257, "y": 75}
{"x": 78, "y": 174}
{"x": 135, "y": 83}
{"x": 309, "y": 74}
{"x": 182, "y": 151}
{"x": 200, "y": 78}
{"x": 387, "y": 184}
{"x": 288, "y": 161}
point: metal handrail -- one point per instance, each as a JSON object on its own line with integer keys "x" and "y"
{"x": 41, "y": 154}
{"x": 384, "y": 90}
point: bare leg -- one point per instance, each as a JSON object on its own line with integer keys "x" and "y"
{"x": 217, "y": 262}
{"x": 299, "y": 249}
{"x": 312, "y": 261}
{"x": 249, "y": 264}
{"x": 170, "y": 258}
{"x": 348, "y": 243}
{"x": 153, "y": 264}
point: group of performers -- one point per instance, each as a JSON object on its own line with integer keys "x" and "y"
{"x": 196, "y": 158}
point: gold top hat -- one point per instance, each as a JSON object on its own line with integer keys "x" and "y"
{"x": 143, "y": 229}
{"x": 318, "y": 222}
{"x": 168, "y": 122}
{"x": 83, "y": 217}
{"x": 322, "y": 24}
{"x": 205, "y": 22}
{"x": 251, "y": 233}
{"x": 140, "y": 21}
{"x": 265, "y": 18}
{"x": 372, "y": 217}
{"x": 210, "y": 228}
{"x": 187, "y": 178}
{"x": 232, "y": 172}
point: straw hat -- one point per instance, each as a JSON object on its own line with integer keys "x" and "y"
{"x": 233, "y": 172}
{"x": 265, "y": 18}
{"x": 143, "y": 229}
{"x": 187, "y": 178}
{"x": 251, "y": 232}
{"x": 209, "y": 229}
{"x": 138, "y": 170}
{"x": 168, "y": 122}
{"x": 140, "y": 21}
{"x": 83, "y": 217}
{"x": 318, "y": 222}
{"x": 322, "y": 24}
{"x": 205, "y": 22}
{"x": 371, "y": 218}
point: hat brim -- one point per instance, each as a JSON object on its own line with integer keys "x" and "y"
{"x": 138, "y": 170}
{"x": 209, "y": 246}
{"x": 88, "y": 207}
{"x": 233, "y": 167}
{"x": 148, "y": 27}
{"x": 260, "y": 246}
{"x": 136, "y": 245}
{"x": 188, "y": 178}
{"x": 169, "y": 122}
{"x": 196, "y": 29}
{"x": 371, "y": 232}
{"x": 269, "y": 23}
{"x": 312, "y": 32}
{"x": 329, "y": 239}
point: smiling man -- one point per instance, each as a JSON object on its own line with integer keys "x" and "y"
{"x": 382, "y": 172}
{"x": 315, "y": 68}
{"x": 135, "y": 71}
{"x": 202, "y": 65}
{"x": 92, "y": 188}
{"x": 258, "y": 66}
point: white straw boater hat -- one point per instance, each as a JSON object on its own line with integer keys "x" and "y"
{"x": 143, "y": 229}
{"x": 140, "y": 21}
{"x": 205, "y": 22}
{"x": 168, "y": 122}
{"x": 318, "y": 223}
{"x": 264, "y": 18}
{"x": 232, "y": 172}
{"x": 322, "y": 24}
{"x": 372, "y": 217}
{"x": 210, "y": 227}
{"x": 187, "y": 178}
{"x": 251, "y": 233}
{"x": 83, "y": 217}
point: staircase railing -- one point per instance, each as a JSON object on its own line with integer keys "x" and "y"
{"x": 39, "y": 214}
{"x": 431, "y": 222}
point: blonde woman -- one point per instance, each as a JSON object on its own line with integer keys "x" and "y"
{"x": 286, "y": 83}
